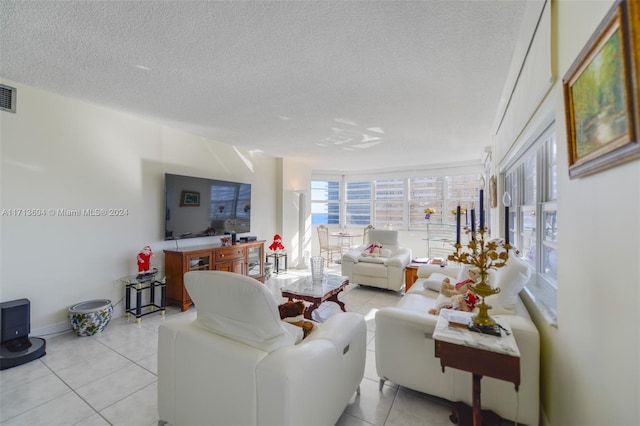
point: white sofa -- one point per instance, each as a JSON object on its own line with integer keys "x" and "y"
{"x": 236, "y": 363}
{"x": 385, "y": 271}
{"x": 405, "y": 347}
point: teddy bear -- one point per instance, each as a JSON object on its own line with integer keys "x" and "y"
{"x": 293, "y": 313}
{"x": 462, "y": 287}
{"x": 460, "y": 302}
{"x": 373, "y": 250}
{"x": 460, "y": 296}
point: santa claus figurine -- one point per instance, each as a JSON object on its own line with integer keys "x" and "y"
{"x": 144, "y": 259}
{"x": 276, "y": 245}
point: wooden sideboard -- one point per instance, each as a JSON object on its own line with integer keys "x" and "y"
{"x": 242, "y": 258}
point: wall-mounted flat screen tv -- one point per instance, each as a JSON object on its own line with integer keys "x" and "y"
{"x": 200, "y": 207}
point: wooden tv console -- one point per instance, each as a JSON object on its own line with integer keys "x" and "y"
{"x": 242, "y": 258}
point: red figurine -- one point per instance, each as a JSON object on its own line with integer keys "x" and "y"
{"x": 144, "y": 259}
{"x": 277, "y": 243}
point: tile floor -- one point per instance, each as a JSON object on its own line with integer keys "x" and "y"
{"x": 65, "y": 388}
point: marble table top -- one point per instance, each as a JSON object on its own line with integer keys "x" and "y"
{"x": 307, "y": 287}
{"x": 506, "y": 344}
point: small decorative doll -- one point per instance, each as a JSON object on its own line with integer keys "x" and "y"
{"x": 276, "y": 245}
{"x": 144, "y": 259}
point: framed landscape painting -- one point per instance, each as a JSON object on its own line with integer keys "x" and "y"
{"x": 190, "y": 199}
{"x": 601, "y": 96}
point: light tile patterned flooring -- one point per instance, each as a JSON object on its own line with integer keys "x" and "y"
{"x": 67, "y": 386}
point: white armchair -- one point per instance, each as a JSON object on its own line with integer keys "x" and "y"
{"x": 236, "y": 363}
{"x": 384, "y": 271}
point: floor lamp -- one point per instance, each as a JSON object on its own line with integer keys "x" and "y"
{"x": 301, "y": 231}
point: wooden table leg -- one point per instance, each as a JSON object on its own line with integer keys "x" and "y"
{"x": 309, "y": 311}
{"x": 463, "y": 415}
{"x": 334, "y": 299}
{"x": 477, "y": 406}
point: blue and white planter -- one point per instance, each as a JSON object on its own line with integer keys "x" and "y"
{"x": 90, "y": 317}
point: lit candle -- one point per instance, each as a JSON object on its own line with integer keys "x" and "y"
{"x": 506, "y": 200}
{"x": 458, "y": 224}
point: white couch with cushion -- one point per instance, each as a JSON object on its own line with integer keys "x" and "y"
{"x": 383, "y": 269}
{"x": 236, "y": 363}
{"x": 405, "y": 347}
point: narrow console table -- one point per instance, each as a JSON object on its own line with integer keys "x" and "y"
{"x": 480, "y": 354}
{"x": 139, "y": 285}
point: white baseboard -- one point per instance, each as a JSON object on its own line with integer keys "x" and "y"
{"x": 52, "y": 330}
{"x": 64, "y": 326}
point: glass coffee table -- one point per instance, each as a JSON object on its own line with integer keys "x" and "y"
{"x": 316, "y": 292}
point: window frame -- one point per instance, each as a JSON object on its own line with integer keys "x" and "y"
{"x": 542, "y": 288}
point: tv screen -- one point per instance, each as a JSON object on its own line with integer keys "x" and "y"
{"x": 200, "y": 207}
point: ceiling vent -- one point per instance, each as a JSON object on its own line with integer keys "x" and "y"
{"x": 7, "y": 98}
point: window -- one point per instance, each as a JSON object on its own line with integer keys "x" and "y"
{"x": 389, "y": 203}
{"x": 325, "y": 202}
{"x": 463, "y": 191}
{"x": 532, "y": 183}
{"x": 357, "y": 203}
{"x": 425, "y": 192}
{"x": 443, "y": 194}
{"x": 398, "y": 203}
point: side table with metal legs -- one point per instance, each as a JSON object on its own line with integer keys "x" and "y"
{"x": 276, "y": 261}
{"x": 133, "y": 284}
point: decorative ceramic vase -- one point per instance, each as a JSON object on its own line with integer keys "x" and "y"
{"x": 91, "y": 317}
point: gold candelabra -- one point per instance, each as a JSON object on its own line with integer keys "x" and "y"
{"x": 482, "y": 255}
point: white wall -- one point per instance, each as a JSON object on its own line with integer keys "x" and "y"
{"x": 590, "y": 372}
{"x": 60, "y": 153}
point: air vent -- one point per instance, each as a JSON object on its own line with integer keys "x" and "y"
{"x": 7, "y": 98}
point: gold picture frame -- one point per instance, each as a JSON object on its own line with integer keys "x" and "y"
{"x": 601, "y": 95}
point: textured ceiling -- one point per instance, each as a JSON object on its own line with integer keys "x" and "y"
{"x": 341, "y": 85}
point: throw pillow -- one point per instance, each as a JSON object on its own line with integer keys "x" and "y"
{"x": 511, "y": 279}
{"x": 434, "y": 281}
{"x": 373, "y": 250}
